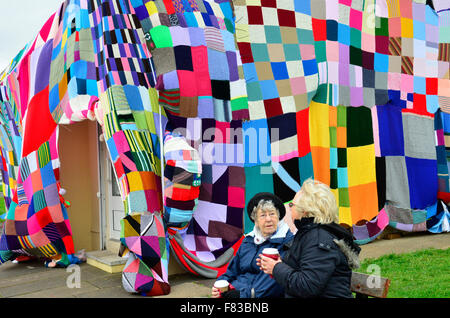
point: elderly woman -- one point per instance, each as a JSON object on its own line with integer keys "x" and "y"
{"x": 320, "y": 260}
{"x": 246, "y": 280}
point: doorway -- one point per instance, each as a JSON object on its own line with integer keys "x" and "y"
{"x": 116, "y": 210}
{"x": 78, "y": 156}
{"x": 112, "y": 210}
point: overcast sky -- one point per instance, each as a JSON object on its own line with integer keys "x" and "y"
{"x": 20, "y": 22}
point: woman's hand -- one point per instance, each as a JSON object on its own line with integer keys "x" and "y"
{"x": 215, "y": 292}
{"x": 266, "y": 264}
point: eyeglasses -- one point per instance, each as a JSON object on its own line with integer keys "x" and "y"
{"x": 272, "y": 215}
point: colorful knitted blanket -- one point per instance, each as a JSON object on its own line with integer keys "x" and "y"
{"x": 255, "y": 96}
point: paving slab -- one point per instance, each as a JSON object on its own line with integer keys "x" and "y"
{"x": 27, "y": 287}
{"x": 189, "y": 286}
{"x": 63, "y": 291}
{"x": 410, "y": 242}
{"x": 110, "y": 292}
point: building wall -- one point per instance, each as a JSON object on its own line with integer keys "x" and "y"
{"x": 79, "y": 176}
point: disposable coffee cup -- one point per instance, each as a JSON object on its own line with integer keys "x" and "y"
{"x": 222, "y": 285}
{"x": 271, "y": 252}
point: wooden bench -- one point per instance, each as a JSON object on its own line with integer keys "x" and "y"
{"x": 361, "y": 285}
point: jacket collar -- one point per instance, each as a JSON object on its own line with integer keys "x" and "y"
{"x": 305, "y": 224}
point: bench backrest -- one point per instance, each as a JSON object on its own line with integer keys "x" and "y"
{"x": 369, "y": 285}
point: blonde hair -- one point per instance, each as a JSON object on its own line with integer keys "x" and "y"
{"x": 317, "y": 200}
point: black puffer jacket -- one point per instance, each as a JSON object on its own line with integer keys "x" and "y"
{"x": 319, "y": 261}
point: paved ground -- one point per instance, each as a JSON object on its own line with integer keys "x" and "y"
{"x": 33, "y": 280}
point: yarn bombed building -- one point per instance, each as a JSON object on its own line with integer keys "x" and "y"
{"x": 200, "y": 104}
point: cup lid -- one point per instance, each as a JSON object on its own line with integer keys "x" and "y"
{"x": 221, "y": 283}
{"x": 270, "y": 250}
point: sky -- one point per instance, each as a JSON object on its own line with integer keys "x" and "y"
{"x": 20, "y": 22}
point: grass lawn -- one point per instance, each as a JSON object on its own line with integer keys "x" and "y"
{"x": 421, "y": 274}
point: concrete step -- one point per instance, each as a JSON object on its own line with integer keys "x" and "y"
{"x": 106, "y": 260}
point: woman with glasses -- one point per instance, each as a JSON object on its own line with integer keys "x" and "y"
{"x": 320, "y": 260}
{"x": 246, "y": 280}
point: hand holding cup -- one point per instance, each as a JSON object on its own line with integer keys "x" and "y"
{"x": 269, "y": 257}
{"x": 220, "y": 287}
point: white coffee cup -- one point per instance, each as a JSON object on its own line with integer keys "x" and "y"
{"x": 222, "y": 285}
{"x": 271, "y": 252}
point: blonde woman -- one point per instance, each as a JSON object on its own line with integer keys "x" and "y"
{"x": 320, "y": 260}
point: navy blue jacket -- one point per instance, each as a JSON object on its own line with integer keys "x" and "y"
{"x": 245, "y": 275}
{"x": 318, "y": 262}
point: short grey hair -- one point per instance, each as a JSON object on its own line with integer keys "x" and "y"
{"x": 264, "y": 205}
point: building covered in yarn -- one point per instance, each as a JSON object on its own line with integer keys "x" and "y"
{"x": 253, "y": 96}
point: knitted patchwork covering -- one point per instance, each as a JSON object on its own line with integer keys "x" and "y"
{"x": 261, "y": 95}
{"x": 89, "y": 61}
{"x": 146, "y": 268}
